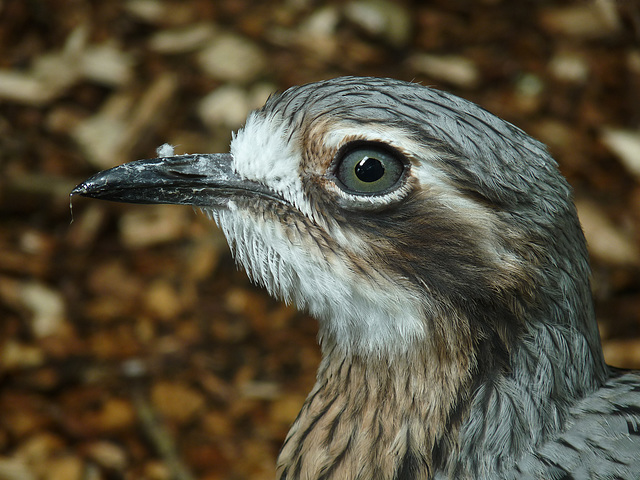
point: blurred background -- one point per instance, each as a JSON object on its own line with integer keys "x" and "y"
{"x": 130, "y": 345}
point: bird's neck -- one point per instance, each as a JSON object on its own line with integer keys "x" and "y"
{"x": 420, "y": 413}
{"x": 378, "y": 417}
{"x": 518, "y": 409}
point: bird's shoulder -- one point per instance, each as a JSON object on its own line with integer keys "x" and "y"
{"x": 601, "y": 440}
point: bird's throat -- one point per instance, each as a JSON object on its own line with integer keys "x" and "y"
{"x": 377, "y": 419}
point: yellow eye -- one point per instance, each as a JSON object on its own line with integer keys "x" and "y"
{"x": 369, "y": 169}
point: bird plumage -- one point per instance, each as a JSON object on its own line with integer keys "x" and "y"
{"x": 440, "y": 250}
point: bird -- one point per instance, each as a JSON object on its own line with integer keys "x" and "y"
{"x": 439, "y": 248}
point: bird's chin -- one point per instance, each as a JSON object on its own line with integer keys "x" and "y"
{"x": 355, "y": 314}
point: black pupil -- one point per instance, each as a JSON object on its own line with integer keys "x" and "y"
{"x": 369, "y": 169}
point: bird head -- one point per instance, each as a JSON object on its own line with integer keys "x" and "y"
{"x": 399, "y": 216}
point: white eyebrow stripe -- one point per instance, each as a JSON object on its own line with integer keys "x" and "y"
{"x": 426, "y": 171}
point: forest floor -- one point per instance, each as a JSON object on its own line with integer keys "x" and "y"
{"x": 130, "y": 345}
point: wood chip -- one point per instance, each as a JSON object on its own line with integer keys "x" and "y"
{"x": 381, "y": 18}
{"x": 606, "y": 241}
{"x": 152, "y": 225}
{"x": 453, "y": 69}
{"x": 626, "y": 146}
{"x": 176, "y": 401}
{"x": 15, "y": 469}
{"x": 182, "y": 40}
{"x": 596, "y": 19}
{"x": 46, "y": 305}
{"x": 109, "y": 137}
{"x": 231, "y": 57}
{"x": 622, "y": 352}
{"x": 108, "y": 454}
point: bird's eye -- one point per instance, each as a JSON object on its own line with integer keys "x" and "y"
{"x": 369, "y": 169}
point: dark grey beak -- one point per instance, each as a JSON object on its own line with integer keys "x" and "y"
{"x": 206, "y": 180}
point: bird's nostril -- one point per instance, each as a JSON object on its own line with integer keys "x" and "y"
{"x": 179, "y": 174}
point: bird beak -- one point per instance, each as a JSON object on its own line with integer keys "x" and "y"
{"x": 206, "y": 180}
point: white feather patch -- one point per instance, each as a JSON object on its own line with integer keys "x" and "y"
{"x": 165, "y": 150}
{"x": 263, "y": 152}
{"x": 363, "y": 315}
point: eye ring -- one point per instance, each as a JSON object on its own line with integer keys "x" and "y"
{"x": 369, "y": 168}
